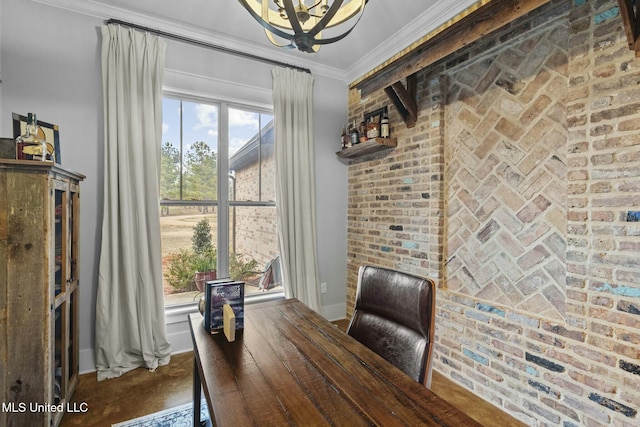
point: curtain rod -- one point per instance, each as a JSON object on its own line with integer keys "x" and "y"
{"x": 205, "y": 44}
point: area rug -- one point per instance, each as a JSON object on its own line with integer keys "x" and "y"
{"x": 180, "y": 416}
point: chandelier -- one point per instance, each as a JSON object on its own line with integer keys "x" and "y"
{"x": 300, "y": 25}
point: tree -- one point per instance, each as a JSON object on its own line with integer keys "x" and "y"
{"x": 169, "y": 172}
{"x": 202, "y": 238}
{"x": 200, "y": 177}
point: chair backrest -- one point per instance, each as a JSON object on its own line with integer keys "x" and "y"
{"x": 394, "y": 316}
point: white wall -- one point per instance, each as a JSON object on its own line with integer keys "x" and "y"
{"x": 331, "y": 195}
{"x": 54, "y": 70}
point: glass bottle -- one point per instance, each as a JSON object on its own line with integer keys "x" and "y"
{"x": 363, "y": 132}
{"x": 373, "y": 129}
{"x": 343, "y": 138}
{"x": 384, "y": 126}
{"x": 355, "y": 135}
{"x": 346, "y": 138}
{"x": 29, "y": 145}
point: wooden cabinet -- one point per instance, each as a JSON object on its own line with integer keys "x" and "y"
{"x": 39, "y": 302}
{"x": 370, "y": 146}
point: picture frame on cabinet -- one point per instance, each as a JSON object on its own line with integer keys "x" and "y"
{"x": 49, "y": 132}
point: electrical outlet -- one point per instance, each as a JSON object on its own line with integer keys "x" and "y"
{"x": 323, "y": 287}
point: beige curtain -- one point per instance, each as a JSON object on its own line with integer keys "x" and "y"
{"x": 295, "y": 183}
{"x": 130, "y": 323}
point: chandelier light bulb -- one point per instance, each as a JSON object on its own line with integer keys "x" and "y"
{"x": 302, "y": 13}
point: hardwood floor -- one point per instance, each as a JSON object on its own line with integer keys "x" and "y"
{"x": 141, "y": 392}
{"x": 132, "y": 395}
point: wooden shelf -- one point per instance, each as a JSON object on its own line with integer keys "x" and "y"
{"x": 370, "y": 146}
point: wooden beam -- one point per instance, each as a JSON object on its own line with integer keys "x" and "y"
{"x": 404, "y": 99}
{"x": 629, "y": 20}
{"x": 450, "y": 37}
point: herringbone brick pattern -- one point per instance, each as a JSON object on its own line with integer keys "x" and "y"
{"x": 506, "y": 176}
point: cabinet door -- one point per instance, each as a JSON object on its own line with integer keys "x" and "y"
{"x": 66, "y": 300}
{"x": 73, "y": 298}
{"x": 60, "y": 305}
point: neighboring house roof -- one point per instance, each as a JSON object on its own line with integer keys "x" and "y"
{"x": 249, "y": 153}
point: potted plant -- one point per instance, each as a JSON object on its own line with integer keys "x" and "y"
{"x": 204, "y": 266}
{"x": 189, "y": 269}
{"x": 205, "y": 255}
{"x": 179, "y": 274}
{"x": 197, "y": 265}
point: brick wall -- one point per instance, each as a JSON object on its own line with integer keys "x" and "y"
{"x": 255, "y": 232}
{"x": 518, "y": 191}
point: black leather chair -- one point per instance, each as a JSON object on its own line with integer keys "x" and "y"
{"x": 394, "y": 316}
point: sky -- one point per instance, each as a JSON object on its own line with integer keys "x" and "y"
{"x": 200, "y": 123}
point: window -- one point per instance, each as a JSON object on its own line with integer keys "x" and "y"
{"x": 217, "y": 190}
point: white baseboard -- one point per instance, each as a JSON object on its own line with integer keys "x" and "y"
{"x": 334, "y": 312}
{"x": 181, "y": 341}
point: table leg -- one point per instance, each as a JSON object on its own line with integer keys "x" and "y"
{"x": 197, "y": 393}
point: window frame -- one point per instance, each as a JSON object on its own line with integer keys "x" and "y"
{"x": 223, "y": 203}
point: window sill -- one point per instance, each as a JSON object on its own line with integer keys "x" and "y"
{"x": 179, "y": 313}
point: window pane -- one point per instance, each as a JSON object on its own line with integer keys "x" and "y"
{"x": 253, "y": 248}
{"x": 188, "y": 236}
{"x": 171, "y": 150}
{"x": 251, "y": 160}
{"x": 189, "y": 161}
{"x": 268, "y": 164}
{"x": 200, "y": 146}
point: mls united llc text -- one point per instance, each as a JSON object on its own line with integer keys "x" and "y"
{"x": 21, "y": 407}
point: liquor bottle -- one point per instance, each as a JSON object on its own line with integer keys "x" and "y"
{"x": 373, "y": 129}
{"x": 355, "y": 135}
{"x": 363, "y": 132}
{"x": 343, "y": 138}
{"x": 384, "y": 126}
{"x": 29, "y": 145}
{"x": 347, "y": 137}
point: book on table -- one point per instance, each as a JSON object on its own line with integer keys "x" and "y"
{"x": 218, "y": 293}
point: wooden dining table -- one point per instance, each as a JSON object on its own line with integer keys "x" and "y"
{"x": 289, "y": 366}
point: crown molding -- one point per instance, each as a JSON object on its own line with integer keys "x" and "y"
{"x": 102, "y": 11}
{"x": 423, "y": 24}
